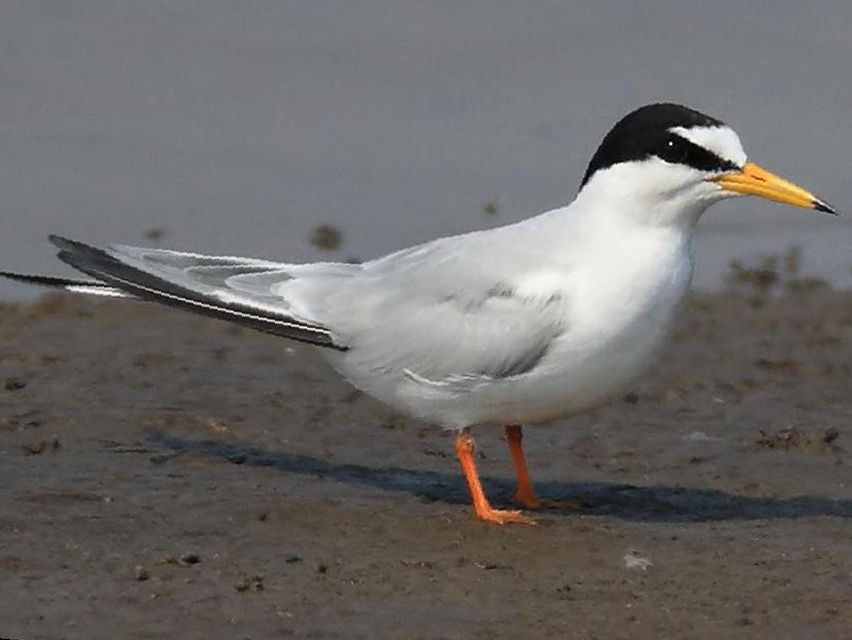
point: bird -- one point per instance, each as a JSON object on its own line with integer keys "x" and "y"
{"x": 546, "y": 318}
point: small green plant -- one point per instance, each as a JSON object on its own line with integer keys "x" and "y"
{"x": 773, "y": 274}
{"x": 490, "y": 208}
{"x": 327, "y": 237}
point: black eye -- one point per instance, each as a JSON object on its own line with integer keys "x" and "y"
{"x": 674, "y": 150}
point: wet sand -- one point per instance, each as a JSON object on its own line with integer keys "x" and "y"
{"x": 169, "y": 476}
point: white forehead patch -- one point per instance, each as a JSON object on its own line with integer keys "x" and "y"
{"x": 722, "y": 140}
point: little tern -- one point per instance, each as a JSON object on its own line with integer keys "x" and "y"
{"x": 549, "y": 317}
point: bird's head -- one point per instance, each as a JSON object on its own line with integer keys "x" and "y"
{"x": 668, "y": 163}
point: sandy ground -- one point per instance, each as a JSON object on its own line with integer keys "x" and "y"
{"x": 168, "y": 476}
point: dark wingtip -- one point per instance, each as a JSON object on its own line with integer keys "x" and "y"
{"x": 62, "y": 243}
{"x": 49, "y": 281}
{"x": 17, "y": 277}
{"x": 820, "y": 205}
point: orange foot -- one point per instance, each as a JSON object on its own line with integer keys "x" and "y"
{"x": 534, "y": 503}
{"x": 525, "y": 494}
{"x": 483, "y": 509}
{"x": 502, "y": 516}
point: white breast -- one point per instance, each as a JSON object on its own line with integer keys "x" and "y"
{"x": 618, "y": 298}
{"x": 620, "y": 312}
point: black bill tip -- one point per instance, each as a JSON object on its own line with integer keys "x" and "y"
{"x": 820, "y": 205}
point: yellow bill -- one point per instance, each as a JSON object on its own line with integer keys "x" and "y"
{"x": 754, "y": 180}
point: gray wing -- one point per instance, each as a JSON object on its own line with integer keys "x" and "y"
{"x": 454, "y": 309}
{"x": 240, "y": 290}
{"x": 457, "y": 309}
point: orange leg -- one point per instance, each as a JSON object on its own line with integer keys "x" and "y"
{"x": 481, "y": 506}
{"x": 525, "y": 494}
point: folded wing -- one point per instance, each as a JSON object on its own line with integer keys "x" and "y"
{"x": 194, "y": 282}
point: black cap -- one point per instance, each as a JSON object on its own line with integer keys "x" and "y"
{"x": 646, "y": 132}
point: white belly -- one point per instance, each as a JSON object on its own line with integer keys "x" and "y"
{"x": 615, "y": 325}
{"x": 611, "y": 343}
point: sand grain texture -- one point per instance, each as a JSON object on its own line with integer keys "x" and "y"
{"x": 168, "y": 476}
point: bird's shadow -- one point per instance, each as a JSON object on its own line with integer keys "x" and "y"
{"x": 659, "y": 503}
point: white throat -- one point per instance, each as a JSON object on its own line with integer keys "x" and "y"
{"x": 648, "y": 193}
